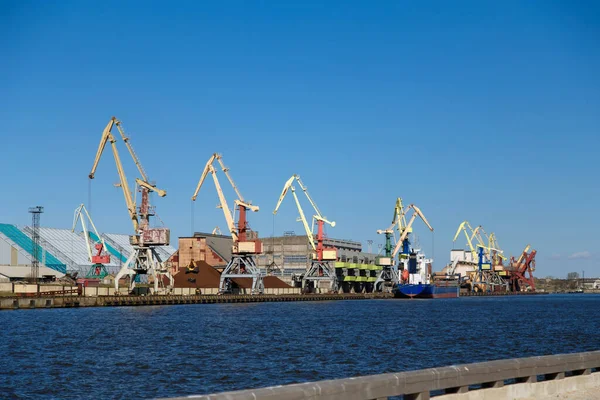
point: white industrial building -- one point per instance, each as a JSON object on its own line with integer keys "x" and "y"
{"x": 62, "y": 250}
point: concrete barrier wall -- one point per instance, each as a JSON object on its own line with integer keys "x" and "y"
{"x": 6, "y": 287}
{"x": 33, "y": 288}
{"x": 25, "y": 288}
{"x": 56, "y": 288}
{"x": 456, "y": 379}
{"x": 579, "y": 387}
{"x": 99, "y": 291}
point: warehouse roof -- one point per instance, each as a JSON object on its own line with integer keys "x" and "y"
{"x": 70, "y": 245}
{"x": 19, "y": 238}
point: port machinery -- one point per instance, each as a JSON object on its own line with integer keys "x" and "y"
{"x": 389, "y": 275}
{"x": 389, "y": 272}
{"x": 322, "y": 259}
{"x": 244, "y": 250}
{"x": 521, "y": 271}
{"x": 486, "y": 270}
{"x": 144, "y": 259}
{"x": 101, "y": 257}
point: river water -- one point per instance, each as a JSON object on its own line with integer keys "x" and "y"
{"x": 164, "y": 351}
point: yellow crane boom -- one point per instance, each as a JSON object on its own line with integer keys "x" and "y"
{"x": 289, "y": 185}
{"x": 398, "y": 220}
{"x": 416, "y": 212}
{"x": 479, "y": 233}
{"x": 209, "y": 168}
{"x": 463, "y": 228}
{"x": 107, "y": 136}
{"x": 399, "y": 217}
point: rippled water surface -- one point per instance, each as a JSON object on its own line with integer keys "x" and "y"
{"x": 163, "y": 351}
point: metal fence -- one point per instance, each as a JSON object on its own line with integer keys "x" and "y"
{"x": 419, "y": 384}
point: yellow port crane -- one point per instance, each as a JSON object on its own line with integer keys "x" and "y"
{"x": 398, "y": 223}
{"x": 389, "y": 274}
{"x": 244, "y": 250}
{"x": 470, "y": 234}
{"x": 322, "y": 257}
{"x": 144, "y": 259}
{"x": 416, "y": 213}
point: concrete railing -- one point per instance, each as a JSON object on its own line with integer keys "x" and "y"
{"x": 419, "y": 384}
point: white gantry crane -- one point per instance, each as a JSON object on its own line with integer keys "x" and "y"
{"x": 245, "y": 249}
{"x": 322, "y": 263}
{"x": 100, "y": 258}
{"x": 144, "y": 258}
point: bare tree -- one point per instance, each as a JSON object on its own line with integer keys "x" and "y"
{"x": 573, "y": 275}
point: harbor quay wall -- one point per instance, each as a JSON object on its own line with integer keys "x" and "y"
{"x": 67, "y": 300}
{"x": 520, "y": 378}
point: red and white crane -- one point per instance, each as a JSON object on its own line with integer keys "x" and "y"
{"x": 244, "y": 249}
{"x": 144, "y": 259}
{"x": 322, "y": 263}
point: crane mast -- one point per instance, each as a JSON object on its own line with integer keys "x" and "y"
{"x": 144, "y": 259}
{"x": 322, "y": 266}
{"x": 244, "y": 250}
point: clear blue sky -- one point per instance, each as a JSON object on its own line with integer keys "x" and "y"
{"x": 486, "y": 111}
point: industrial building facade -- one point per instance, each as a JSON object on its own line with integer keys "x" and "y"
{"x": 65, "y": 251}
{"x": 286, "y": 255}
{"x": 291, "y": 253}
